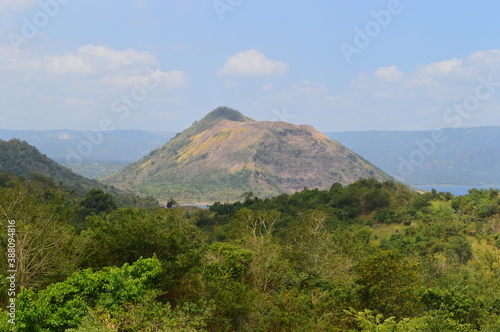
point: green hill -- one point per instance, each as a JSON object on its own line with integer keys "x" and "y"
{"x": 21, "y": 159}
{"x": 226, "y": 154}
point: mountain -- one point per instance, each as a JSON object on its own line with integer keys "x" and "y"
{"x": 468, "y": 156}
{"x": 21, "y": 159}
{"x": 461, "y": 156}
{"x": 108, "y": 155}
{"x": 226, "y": 154}
{"x": 118, "y": 146}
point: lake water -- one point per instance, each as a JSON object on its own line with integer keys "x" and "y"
{"x": 455, "y": 190}
{"x": 202, "y": 206}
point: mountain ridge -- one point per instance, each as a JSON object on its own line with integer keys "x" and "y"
{"x": 226, "y": 154}
{"x": 22, "y": 159}
{"x": 471, "y": 156}
{"x": 466, "y": 156}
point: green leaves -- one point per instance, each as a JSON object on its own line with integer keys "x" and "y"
{"x": 127, "y": 234}
{"x": 63, "y": 305}
{"x": 96, "y": 201}
{"x": 288, "y": 263}
{"x": 389, "y": 283}
{"x": 453, "y": 303}
{"x": 225, "y": 260}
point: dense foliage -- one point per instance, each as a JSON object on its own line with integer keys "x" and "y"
{"x": 370, "y": 256}
{"x": 23, "y": 160}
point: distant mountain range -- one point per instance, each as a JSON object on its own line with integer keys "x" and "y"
{"x": 226, "y": 154}
{"x": 65, "y": 145}
{"x": 453, "y": 156}
{"x": 89, "y": 153}
{"x": 468, "y": 156}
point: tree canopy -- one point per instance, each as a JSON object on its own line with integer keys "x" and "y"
{"x": 370, "y": 256}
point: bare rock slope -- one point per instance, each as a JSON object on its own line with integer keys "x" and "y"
{"x": 226, "y": 154}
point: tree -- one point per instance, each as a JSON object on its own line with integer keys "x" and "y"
{"x": 313, "y": 248}
{"x": 171, "y": 203}
{"x": 43, "y": 238}
{"x": 454, "y": 303}
{"x": 388, "y": 283}
{"x": 127, "y": 234}
{"x": 63, "y": 305}
{"x": 96, "y": 201}
{"x": 248, "y": 196}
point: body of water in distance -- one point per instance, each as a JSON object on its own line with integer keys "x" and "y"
{"x": 455, "y": 190}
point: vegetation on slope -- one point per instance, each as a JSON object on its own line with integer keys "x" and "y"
{"x": 227, "y": 153}
{"x": 21, "y": 159}
{"x": 370, "y": 256}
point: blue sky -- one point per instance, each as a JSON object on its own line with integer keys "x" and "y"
{"x": 336, "y": 65}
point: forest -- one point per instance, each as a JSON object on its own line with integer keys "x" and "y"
{"x": 370, "y": 256}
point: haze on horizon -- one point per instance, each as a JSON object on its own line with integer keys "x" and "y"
{"x": 335, "y": 65}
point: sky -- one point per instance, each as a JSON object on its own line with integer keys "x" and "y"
{"x": 160, "y": 65}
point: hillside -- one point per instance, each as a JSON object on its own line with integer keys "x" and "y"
{"x": 21, "y": 159}
{"x": 366, "y": 257}
{"x": 467, "y": 156}
{"x": 117, "y": 146}
{"x": 226, "y": 154}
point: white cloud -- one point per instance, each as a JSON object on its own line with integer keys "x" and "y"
{"x": 487, "y": 57}
{"x": 100, "y": 56}
{"x": 230, "y": 84}
{"x": 482, "y": 62}
{"x": 437, "y": 78}
{"x": 74, "y": 102}
{"x": 268, "y": 87}
{"x": 66, "y": 64}
{"x": 169, "y": 80}
{"x": 305, "y": 93}
{"x": 252, "y": 63}
{"x": 173, "y": 79}
{"x": 95, "y": 59}
{"x": 340, "y": 100}
{"x": 418, "y": 99}
{"x": 88, "y": 59}
{"x": 440, "y": 68}
{"x": 99, "y": 63}
{"x": 389, "y": 74}
{"x": 390, "y": 98}
{"x": 79, "y": 86}
{"x": 10, "y": 5}
{"x": 308, "y": 88}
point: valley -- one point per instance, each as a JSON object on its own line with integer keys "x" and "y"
{"x": 468, "y": 157}
{"x": 295, "y": 223}
{"x": 249, "y": 166}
